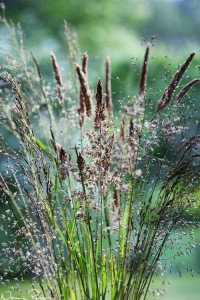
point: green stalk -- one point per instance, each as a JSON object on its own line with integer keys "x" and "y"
{"x": 96, "y": 288}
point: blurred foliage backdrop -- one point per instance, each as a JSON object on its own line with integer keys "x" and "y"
{"x": 111, "y": 25}
{"x": 119, "y": 29}
{"x": 116, "y": 28}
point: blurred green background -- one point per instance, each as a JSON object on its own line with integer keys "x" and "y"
{"x": 111, "y": 27}
{"x": 119, "y": 29}
{"x": 116, "y": 28}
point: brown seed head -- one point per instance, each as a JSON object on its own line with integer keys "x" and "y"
{"x": 85, "y": 91}
{"x": 143, "y": 79}
{"x": 82, "y": 108}
{"x": 169, "y": 91}
{"x": 85, "y": 63}
{"x": 185, "y": 89}
{"x": 56, "y": 69}
{"x": 57, "y": 75}
{"x": 131, "y": 128}
{"x": 81, "y": 162}
{"x": 63, "y": 161}
{"x": 100, "y": 106}
{"x": 109, "y": 104}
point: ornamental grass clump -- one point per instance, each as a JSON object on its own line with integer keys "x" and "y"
{"x": 91, "y": 204}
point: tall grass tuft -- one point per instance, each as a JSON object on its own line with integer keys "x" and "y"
{"x": 91, "y": 202}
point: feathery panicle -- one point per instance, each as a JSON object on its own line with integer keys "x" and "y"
{"x": 100, "y": 106}
{"x": 123, "y": 130}
{"x": 109, "y": 104}
{"x": 62, "y": 154}
{"x": 82, "y": 108}
{"x": 143, "y": 79}
{"x": 169, "y": 91}
{"x": 85, "y": 91}
{"x": 131, "y": 128}
{"x": 80, "y": 162}
{"x": 42, "y": 85}
{"x": 63, "y": 161}
{"x": 57, "y": 75}
{"x": 85, "y": 63}
{"x": 73, "y": 50}
{"x": 185, "y": 89}
{"x": 56, "y": 69}
{"x": 99, "y": 92}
